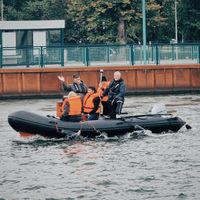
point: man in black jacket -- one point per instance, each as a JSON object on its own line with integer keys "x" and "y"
{"x": 77, "y": 86}
{"x": 116, "y": 92}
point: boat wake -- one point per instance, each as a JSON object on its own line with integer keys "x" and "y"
{"x": 37, "y": 140}
{"x": 139, "y": 133}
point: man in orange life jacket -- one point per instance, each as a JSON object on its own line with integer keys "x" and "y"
{"x": 91, "y": 104}
{"x": 72, "y": 108}
{"x": 116, "y": 92}
{"x": 104, "y": 100}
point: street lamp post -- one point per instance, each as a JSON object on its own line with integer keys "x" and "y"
{"x": 176, "y": 28}
{"x": 1, "y": 10}
{"x": 144, "y": 31}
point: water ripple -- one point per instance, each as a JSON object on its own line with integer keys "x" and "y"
{"x": 139, "y": 165}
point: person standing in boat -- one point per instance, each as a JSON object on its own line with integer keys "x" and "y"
{"x": 91, "y": 104}
{"x": 104, "y": 100}
{"x": 116, "y": 92}
{"x": 77, "y": 86}
{"x": 72, "y": 108}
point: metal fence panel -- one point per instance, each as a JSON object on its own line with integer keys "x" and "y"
{"x": 47, "y": 56}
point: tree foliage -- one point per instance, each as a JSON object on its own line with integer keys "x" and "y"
{"x": 189, "y": 20}
{"x": 112, "y": 21}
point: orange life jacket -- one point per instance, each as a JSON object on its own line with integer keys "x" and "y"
{"x": 59, "y": 109}
{"x": 75, "y": 105}
{"x": 88, "y": 104}
{"x": 101, "y": 89}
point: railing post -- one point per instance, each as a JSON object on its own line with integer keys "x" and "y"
{"x": 62, "y": 56}
{"x": 152, "y": 54}
{"x": 199, "y": 55}
{"x": 87, "y": 56}
{"x": 192, "y": 52}
{"x": 108, "y": 54}
{"x": 132, "y": 55}
{"x": 83, "y": 54}
{"x": 173, "y": 54}
{"x": 62, "y": 47}
{"x": 1, "y": 50}
{"x": 41, "y": 57}
{"x": 27, "y": 56}
{"x": 1, "y": 55}
{"x": 157, "y": 56}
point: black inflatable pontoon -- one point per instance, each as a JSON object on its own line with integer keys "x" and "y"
{"x": 48, "y": 126}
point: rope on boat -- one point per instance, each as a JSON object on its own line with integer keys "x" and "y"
{"x": 71, "y": 134}
{"x": 136, "y": 127}
{"x": 56, "y": 122}
{"x": 96, "y": 130}
{"x": 56, "y": 125}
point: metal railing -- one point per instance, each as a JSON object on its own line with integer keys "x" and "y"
{"x": 98, "y": 55}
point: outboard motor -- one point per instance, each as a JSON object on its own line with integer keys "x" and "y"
{"x": 159, "y": 108}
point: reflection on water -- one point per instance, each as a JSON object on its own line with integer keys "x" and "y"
{"x": 76, "y": 149}
{"x": 136, "y": 166}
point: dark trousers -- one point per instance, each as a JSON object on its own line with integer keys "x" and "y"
{"x": 116, "y": 108}
{"x": 106, "y": 107}
{"x": 94, "y": 116}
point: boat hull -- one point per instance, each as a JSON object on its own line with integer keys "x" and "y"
{"x": 48, "y": 126}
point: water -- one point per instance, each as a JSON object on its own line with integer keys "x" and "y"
{"x": 158, "y": 167}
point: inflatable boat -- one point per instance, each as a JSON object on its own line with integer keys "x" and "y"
{"x": 49, "y": 126}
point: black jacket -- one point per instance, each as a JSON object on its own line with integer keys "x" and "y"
{"x": 96, "y": 102}
{"x": 115, "y": 90}
{"x": 78, "y": 88}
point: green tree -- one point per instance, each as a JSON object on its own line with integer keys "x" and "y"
{"x": 189, "y": 20}
{"x": 35, "y": 9}
{"x": 159, "y": 19}
{"x": 12, "y": 9}
{"x": 101, "y": 21}
{"x": 112, "y": 21}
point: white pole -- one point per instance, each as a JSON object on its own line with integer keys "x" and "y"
{"x": 176, "y": 28}
{"x": 144, "y": 30}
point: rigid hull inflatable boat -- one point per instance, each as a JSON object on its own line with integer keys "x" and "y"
{"x": 49, "y": 126}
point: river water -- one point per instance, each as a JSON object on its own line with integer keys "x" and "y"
{"x": 165, "y": 166}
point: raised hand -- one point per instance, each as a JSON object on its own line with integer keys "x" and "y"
{"x": 61, "y": 78}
